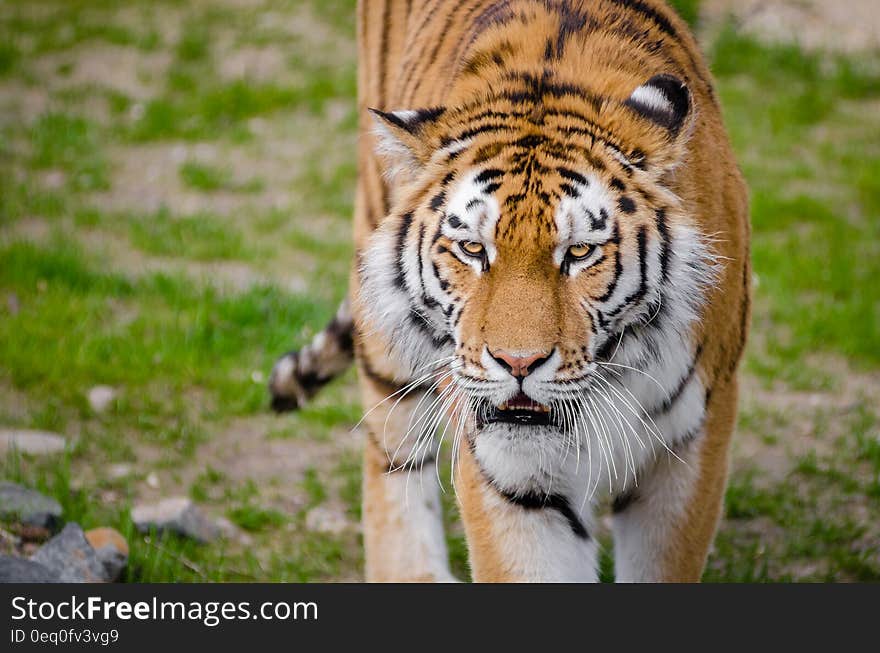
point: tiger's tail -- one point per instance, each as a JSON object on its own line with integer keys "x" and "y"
{"x": 298, "y": 375}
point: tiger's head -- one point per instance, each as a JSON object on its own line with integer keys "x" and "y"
{"x": 530, "y": 243}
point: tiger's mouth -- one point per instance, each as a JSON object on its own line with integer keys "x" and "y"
{"x": 521, "y": 410}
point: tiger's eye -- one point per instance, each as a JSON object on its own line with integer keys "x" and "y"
{"x": 473, "y": 248}
{"x": 580, "y": 251}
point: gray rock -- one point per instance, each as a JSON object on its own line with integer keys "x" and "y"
{"x": 230, "y": 531}
{"x": 176, "y": 515}
{"x": 324, "y": 520}
{"x": 28, "y": 506}
{"x": 70, "y": 555}
{"x": 22, "y": 570}
{"x": 36, "y": 443}
{"x": 100, "y": 397}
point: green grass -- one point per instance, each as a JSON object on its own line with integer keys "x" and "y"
{"x": 9, "y": 56}
{"x": 188, "y": 353}
{"x": 79, "y": 325}
{"x": 208, "y": 178}
{"x": 814, "y": 251}
{"x": 198, "y": 109}
{"x": 72, "y": 144}
{"x": 253, "y": 518}
{"x": 201, "y": 237}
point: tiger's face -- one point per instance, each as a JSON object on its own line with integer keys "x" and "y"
{"x": 522, "y": 256}
{"x": 540, "y": 275}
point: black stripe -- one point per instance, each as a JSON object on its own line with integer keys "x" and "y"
{"x": 342, "y": 332}
{"x": 623, "y": 501}
{"x": 402, "y": 232}
{"x": 626, "y": 204}
{"x": 538, "y": 501}
{"x": 663, "y": 230}
{"x": 410, "y": 73}
{"x": 570, "y": 190}
{"x": 571, "y": 21}
{"x": 571, "y": 175}
{"x": 438, "y": 200}
{"x": 652, "y": 14}
{"x": 642, "y": 290}
{"x": 745, "y": 304}
{"x": 667, "y": 28}
{"x": 427, "y": 300}
{"x": 419, "y": 321}
{"x": 618, "y": 266}
{"x": 670, "y": 401}
{"x": 389, "y": 385}
{"x": 488, "y": 174}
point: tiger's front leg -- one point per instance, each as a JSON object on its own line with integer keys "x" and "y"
{"x": 663, "y": 529}
{"x": 519, "y": 534}
{"x": 402, "y": 514}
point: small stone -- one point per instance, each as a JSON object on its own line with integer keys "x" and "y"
{"x": 176, "y": 515}
{"x": 22, "y": 570}
{"x": 28, "y": 506}
{"x": 231, "y": 532}
{"x": 100, "y": 397}
{"x": 108, "y": 496}
{"x": 136, "y": 112}
{"x": 54, "y": 179}
{"x": 12, "y": 304}
{"x": 70, "y": 555}
{"x": 119, "y": 471}
{"x": 35, "y": 443}
{"x": 322, "y": 520}
{"x": 111, "y": 549}
{"x": 153, "y": 480}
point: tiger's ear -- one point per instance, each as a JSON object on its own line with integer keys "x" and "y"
{"x": 663, "y": 100}
{"x": 403, "y": 141}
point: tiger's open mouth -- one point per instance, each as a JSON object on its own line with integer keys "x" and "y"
{"x": 521, "y": 409}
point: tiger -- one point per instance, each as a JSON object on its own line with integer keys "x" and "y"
{"x": 552, "y": 276}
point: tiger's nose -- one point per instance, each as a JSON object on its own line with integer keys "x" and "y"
{"x": 520, "y": 365}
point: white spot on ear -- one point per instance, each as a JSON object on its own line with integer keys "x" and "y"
{"x": 663, "y": 99}
{"x": 652, "y": 98}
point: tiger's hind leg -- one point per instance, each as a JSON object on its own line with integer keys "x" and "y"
{"x": 402, "y": 514}
{"x": 664, "y": 528}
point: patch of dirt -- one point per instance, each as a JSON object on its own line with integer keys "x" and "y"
{"x": 850, "y": 26}
{"x": 14, "y": 404}
{"x": 261, "y": 64}
{"x": 249, "y": 450}
{"x": 132, "y": 72}
{"x": 796, "y": 415}
{"x": 235, "y": 276}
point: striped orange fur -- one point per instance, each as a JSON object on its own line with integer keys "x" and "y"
{"x": 552, "y": 240}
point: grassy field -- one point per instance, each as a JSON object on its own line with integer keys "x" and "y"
{"x": 175, "y": 193}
